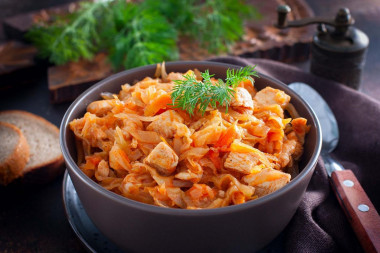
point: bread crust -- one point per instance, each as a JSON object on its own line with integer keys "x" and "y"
{"x": 13, "y": 166}
{"x": 49, "y": 170}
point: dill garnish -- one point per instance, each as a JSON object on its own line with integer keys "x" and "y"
{"x": 191, "y": 95}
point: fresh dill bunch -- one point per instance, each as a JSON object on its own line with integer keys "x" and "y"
{"x": 190, "y": 94}
{"x": 219, "y": 23}
{"x": 136, "y": 33}
{"x": 143, "y": 36}
{"x": 180, "y": 13}
{"x": 214, "y": 23}
{"x": 62, "y": 42}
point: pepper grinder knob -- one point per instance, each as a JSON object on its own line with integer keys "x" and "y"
{"x": 282, "y": 11}
{"x": 343, "y": 21}
{"x": 343, "y": 16}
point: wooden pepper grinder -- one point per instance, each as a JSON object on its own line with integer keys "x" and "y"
{"x": 338, "y": 49}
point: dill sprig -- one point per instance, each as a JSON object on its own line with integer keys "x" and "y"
{"x": 191, "y": 95}
{"x": 235, "y": 77}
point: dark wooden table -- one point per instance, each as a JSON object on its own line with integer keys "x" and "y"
{"x": 32, "y": 218}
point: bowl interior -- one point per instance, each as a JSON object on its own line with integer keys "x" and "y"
{"x": 113, "y": 84}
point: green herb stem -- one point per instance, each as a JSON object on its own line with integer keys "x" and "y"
{"x": 191, "y": 95}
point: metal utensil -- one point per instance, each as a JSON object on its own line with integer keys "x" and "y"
{"x": 358, "y": 208}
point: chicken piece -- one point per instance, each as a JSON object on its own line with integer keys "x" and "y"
{"x": 168, "y": 124}
{"x": 199, "y": 196}
{"x": 125, "y": 91}
{"x": 245, "y": 163}
{"x": 272, "y": 186}
{"x": 238, "y": 146}
{"x": 180, "y": 76}
{"x": 242, "y": 98}
{"x": 190, "y": 170}
{"x": 175, "y": 76}
{"x": 189, "y": 176}
{"x": 267, "y": 181}
{"x": 287, "y": 151}
{"x": 118, "y": 159}
{"x": 102, "y": 107}
{"x": 133, "y": 187}
{"x": 300, "y": 128}
{"x": 270, "y": 96}
{"x": 102, "y": 171}
{"x": 163, "y": 159}
{"x": 208, "y": 135}
{"x": 298, "y": 148}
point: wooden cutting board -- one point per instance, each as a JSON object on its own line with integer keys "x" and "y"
{"x": 66, "y": 82}
{"x": 262, "y": 39}
{"x": 17, "y": 64}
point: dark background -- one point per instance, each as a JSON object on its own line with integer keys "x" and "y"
{"x": 32, "y": 218}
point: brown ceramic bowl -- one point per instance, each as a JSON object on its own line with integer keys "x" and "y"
{"x": 139, "y": 227}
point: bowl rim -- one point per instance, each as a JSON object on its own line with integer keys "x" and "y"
{"x": 73, "y": 168}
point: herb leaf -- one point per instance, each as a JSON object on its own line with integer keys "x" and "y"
{"x": 63, "y": 42}
{"x": 235, "y": 77}
{"x": 214, "y": 23}
{"x": 220, "y": 23}
{"x": 191, "y": 95}
{"x": 144, "y": 37}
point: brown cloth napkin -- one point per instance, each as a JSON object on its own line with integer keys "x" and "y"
{"x": 319, "y": 224}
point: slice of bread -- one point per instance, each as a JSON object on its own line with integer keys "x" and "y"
{"x": 14, "y": 153}
{"x": 46, "y": 160}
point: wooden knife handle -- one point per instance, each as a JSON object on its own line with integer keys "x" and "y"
{"x": 358, "y": 208}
